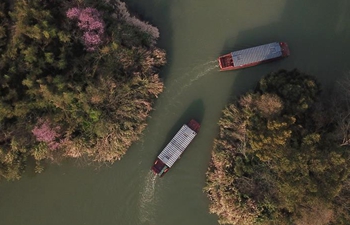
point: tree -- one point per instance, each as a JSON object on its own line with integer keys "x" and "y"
{"x": 91, "y": 24}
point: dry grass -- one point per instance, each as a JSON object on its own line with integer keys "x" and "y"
{"x": 143, "y": 26}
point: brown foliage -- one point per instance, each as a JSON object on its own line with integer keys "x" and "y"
{"x": 142, "y": 25}
{"x": 317, "y": 214}
{"x": 269, "y": 105}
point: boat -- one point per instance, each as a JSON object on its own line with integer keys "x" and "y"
{"x": 253, "y": 56}
{"x": 173, "y": 150}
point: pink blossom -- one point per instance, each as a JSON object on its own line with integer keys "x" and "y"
{"x": 90, "y": 22}
{"x": 91, "y": 38}
{"x": 73, "y": 13}
{"x": 43, "y": 132}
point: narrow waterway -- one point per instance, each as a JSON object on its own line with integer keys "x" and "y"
{"x": 194, "y": 33}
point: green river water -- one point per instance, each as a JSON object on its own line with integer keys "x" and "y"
{"x": 194, "y": 33}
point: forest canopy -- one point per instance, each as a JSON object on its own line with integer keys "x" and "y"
{"x": 278, "y": 158}
{"x": 78, "y": 79}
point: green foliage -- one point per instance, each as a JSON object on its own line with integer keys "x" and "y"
{"x": 273, "y": 156}
{"x": 98, "y": 101}
{"x": 4, "y": 25}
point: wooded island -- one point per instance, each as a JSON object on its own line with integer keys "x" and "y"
{"x": 282, "y": 155}
{"x": 78, "y": 80}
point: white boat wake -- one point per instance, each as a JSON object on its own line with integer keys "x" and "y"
{"x": 202, "y": 68}
{"x": 147, "y": 200}
{"x": 202, "y": 74}
{"x": 199, "y": 71}
{"x": 203, "y": 65}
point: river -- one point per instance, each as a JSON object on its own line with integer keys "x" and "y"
{"x": 194, "y": 33}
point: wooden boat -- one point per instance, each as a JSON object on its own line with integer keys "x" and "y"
{"x": 178, "y": 144}
{"x": 253, "y": 56}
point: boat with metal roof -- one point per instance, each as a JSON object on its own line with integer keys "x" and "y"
{"x": 253, "y": 56}
{"x": 174, "y": 149}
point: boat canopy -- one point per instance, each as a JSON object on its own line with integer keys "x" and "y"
{"x": 177, "y": 145}
{"x": 256, "y": 54}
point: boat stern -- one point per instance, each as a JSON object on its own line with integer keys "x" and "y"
{"x": 159, "y": 168}
{"x": 285, "y": 49}
{"x": 220, "y": 64}
{"x": 226, "y": 62}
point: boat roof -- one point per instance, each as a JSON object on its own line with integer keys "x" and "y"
{"x": 177, "y": 145}
{"x": 256, "y": 54}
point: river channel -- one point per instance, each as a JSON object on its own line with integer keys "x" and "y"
{"x": 194, "y": 33}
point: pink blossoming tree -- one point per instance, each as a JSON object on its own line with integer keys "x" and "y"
{"x": 90, "y": 22}
{"x": 44, "y": 132}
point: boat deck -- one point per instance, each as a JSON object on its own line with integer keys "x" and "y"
{"x": 173, "y": 150}
{"x": 177, "y": 145}
{"x": 226, "y": 61}
{"x": 256, "y": 54}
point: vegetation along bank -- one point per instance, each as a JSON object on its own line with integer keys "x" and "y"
{"x": 78, "y": 80}
{"x": 282, "y": 155}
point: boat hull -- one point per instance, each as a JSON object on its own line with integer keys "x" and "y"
{"x": 227, "y": 62}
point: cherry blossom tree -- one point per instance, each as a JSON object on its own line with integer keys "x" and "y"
{"x": 44, "y": 132}
{"x": 90, "y": 23}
